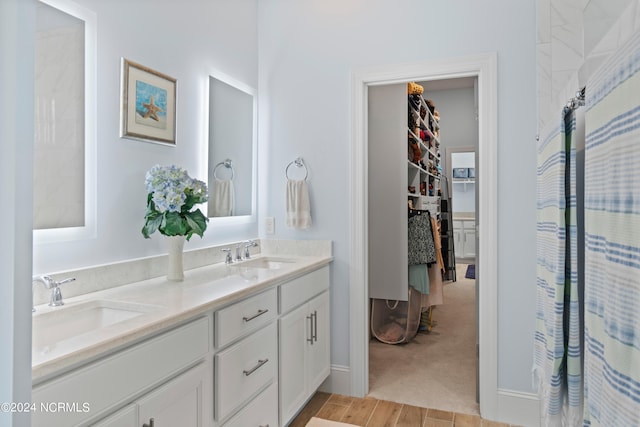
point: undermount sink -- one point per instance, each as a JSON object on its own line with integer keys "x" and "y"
{"x": 62, "y": 323}
{"x": 271, "y": 263}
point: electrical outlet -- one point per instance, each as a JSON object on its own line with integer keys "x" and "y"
{"x": 270, "y": 225}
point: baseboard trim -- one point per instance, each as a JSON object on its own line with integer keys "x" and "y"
{"x": 515, "y": 407}
{"x": 339, "y": 381}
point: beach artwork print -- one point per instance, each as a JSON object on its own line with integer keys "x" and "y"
{"x": 148, "y": 107}
{"x": 151, "y": 105}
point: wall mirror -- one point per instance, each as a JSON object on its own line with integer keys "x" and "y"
{"x": 64, "y": 114}
{"x": 232, "y": 148}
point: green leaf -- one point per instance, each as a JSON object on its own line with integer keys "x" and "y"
{"x": 197, "y": 223}
{"x": 173, "y": 225}
{"x": 151, "y": 225}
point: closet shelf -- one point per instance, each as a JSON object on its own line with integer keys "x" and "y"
{"x": 424, "y": 146}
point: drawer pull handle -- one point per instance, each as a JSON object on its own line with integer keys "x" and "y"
{"x": 310, "y": 339}
{"x": 259, "y": 313}
{"x": 151, "y": 423}
{"x": 252, "y": 370}
{"x": 315, "y": 325}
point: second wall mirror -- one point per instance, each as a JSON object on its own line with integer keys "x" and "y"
{"x": 232, "y": 148}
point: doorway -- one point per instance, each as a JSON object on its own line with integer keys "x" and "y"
{"x": 437, "y": 367}
{"x": 484, "y": 68}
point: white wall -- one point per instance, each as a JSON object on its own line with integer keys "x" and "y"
{"x": 187, "y": 40}
{"x": 308, "y": 51}
{"x": 17, "y": 28}
{"x": 573, "y": 38}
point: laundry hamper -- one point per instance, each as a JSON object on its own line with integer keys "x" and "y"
{"x": 396, "y": 322}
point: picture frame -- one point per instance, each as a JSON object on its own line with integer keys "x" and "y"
{"x": 148, "y": 105}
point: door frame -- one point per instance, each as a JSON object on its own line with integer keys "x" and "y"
{"x": 484, "y": 67}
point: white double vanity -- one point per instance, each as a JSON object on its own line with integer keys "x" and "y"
{"x": 242, "y": 344}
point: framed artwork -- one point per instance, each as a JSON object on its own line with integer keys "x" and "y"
{"x": 148, "y": 107}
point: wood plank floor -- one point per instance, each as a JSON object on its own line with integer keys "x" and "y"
{"x": 370, "y": 412}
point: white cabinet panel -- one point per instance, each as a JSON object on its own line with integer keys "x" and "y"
{"x": 245, "y": 316}
{"x": 244, "y": 368}
{"x": 464, "y": 235}
{"x": 319, "y": 349}
{"x": 126, "y": 417}
{"x": 109, "y": 381}
{"x": 304, "y": 354}
{"x": 177, "y": 403}
{"x": 301, "y": 289}
{"x": 294, "y": 336}
{"x": 262, "y": 411}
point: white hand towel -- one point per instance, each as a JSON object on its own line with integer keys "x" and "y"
{"x": 298, "y": 206}
{"x": 223, "y": 200}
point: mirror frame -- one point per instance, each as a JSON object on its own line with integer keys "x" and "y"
{"x": 89, "y": 229}
{"x": 243, "y": 87}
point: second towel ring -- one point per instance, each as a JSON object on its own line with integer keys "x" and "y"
{"x": 300, "y": 164}
{"x": 227, "y": 164}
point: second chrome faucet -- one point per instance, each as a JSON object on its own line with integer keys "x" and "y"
{"x": 242, "y": 252}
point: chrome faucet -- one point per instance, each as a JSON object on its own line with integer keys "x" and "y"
{"x": 238, "y": 257}
{"x": 249, "y": 244}
{"x": 49, "y": 283}
{"x": 228, "y": 259}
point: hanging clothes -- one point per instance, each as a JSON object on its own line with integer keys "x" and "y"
{"x": 438, "y": 243}
{"x": 422, "y": 248}
{"x": 419, "y": 278}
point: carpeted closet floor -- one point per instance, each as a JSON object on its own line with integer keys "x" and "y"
{"x": 438, "y": 368}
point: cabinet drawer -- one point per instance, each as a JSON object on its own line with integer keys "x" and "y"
{"x": 262, "y": 411}
{"x": 243, "y": 369}
{"x": 118, "y": 378}
{"x": 245, "y": 316}
{"x": 302, "y": 289}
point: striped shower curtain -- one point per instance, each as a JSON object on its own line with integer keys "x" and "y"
{"x": 612, "y": 236}
{"x": 557, "y": 343}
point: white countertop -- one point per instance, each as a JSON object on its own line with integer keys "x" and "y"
{"x": 203, "y": 289}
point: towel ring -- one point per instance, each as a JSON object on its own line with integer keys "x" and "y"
{"x": 227, "y": 164}
{"x": 300, "y": 164}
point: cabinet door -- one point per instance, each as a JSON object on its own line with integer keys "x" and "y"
{"x": 295, "y": 330}
{"x": 126, "y": 417}
{"x": 177, "y": 403}
{"x": 457, "y": 242}
{"x": 469, "y": 243}
{"x": 319, "y": 349}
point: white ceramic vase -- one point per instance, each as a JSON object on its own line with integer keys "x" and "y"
{"x": 175, "y": 247}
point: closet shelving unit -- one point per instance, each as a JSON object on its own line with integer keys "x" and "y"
{"x": 424, "y": 176}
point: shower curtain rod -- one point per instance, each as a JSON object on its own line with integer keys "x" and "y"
{"x": 577, "y": 101}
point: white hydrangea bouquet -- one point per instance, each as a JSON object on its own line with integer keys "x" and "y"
{"x": 172, "y": 194}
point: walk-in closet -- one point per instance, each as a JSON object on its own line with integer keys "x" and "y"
{"x": 422, "y": 146}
